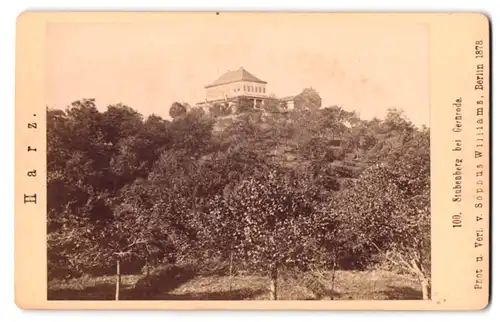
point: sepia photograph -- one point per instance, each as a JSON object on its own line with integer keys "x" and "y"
{"x": 248, "y": 158}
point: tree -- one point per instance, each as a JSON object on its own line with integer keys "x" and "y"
{"x": 337, "y": 246}
{"x": 192, "y": 133}
{"x": 379, "y": 138}
{"x": 220, "y": 109}
{"x": 271, "y": 105}
{"x": 76, "y": 143}
{"x": 308, "y": 99}
{"x": 198, "y": 111}
{"x": 389, "y": 210}
{"x": 162, "y": 217}
{"x": 92, "y": 157}
{"x": 120, "y": 121}
{"x": 220, "y": 232}
{"x": 276, "y": 221}
{"x": 177, "y": 110}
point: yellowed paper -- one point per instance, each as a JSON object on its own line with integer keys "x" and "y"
{"x": 433, "y": 66}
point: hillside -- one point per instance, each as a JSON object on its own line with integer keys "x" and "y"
{"x": 267, "y": 195}
{"x": 281, "y": 140}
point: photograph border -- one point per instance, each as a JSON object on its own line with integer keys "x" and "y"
{"x": 453, "y": 74}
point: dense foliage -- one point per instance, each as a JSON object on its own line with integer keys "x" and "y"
{"x": 307, "y": 189}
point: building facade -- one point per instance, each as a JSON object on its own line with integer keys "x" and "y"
{"x": 288, "y": 103}
{"x": 239, "y": 89}
{"x": 237, "y": 86}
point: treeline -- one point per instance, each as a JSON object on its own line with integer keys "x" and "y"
{"x": 308, "y": 189}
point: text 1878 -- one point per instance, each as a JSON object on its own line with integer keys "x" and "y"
{"x": 478, "y": 49}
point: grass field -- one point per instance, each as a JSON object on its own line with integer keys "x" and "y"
{"x": 186, "y": 284}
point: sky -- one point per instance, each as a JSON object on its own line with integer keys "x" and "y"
{"x": 367, "y": 67}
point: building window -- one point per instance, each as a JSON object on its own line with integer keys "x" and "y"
{"x": 264, "y": 90}
{"x": 245, "y": 88}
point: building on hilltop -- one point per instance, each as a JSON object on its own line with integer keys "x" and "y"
{"x": 288, "y": 102}
{"x": 240, "y": 88}
{"x": 237, "y": 86}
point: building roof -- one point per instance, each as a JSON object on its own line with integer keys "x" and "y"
{"x": 234, "y": 76}
{"x": 288, "y": 98}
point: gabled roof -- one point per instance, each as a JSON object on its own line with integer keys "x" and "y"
{"x": 234, "y": 76}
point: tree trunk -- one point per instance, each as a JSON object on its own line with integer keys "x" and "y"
{"x": 332, "y": 288}
{"x": 426, "y": 288}
{"x": 118, "y": 280}
{"x": 273, "y": 289}
{"x": 424, "y": 280}
{"x": 230, "y": 271}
